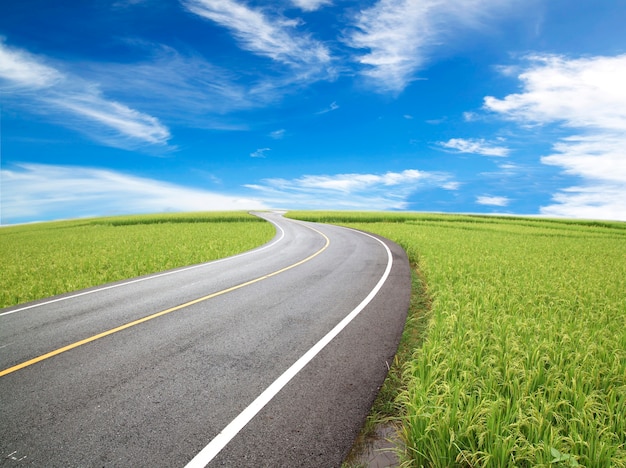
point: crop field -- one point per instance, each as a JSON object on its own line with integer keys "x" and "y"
{"x": 522, "y": 358}
{"x": 45, "y": 259}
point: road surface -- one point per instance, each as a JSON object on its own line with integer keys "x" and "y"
{"x": 270, "y": 358}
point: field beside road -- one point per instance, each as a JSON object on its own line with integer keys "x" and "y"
{"x": 45, "y": 259}
{"x": 515, "y": 351}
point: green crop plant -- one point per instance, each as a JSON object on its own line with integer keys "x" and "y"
{"x": 523, "y": 360}
{"x": 44, "y": 259}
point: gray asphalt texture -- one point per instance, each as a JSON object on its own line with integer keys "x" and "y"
{"x": 155, "y": 394}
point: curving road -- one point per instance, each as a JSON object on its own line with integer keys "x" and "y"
{"x": 270, "y": 358}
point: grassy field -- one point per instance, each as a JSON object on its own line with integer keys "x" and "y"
{"x": 44, "y": 259}
{"x": 515, "y": 352}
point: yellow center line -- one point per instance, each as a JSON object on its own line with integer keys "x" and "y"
{"x": 69, "y": 347}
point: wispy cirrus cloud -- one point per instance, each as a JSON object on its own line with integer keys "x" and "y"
{"x": 126, "y": 126}
{"x": 332, "y": 107}
{"x": 128, "y": 3}
{"x": 278, "y": 134}
{"x": 260, "y": 153}
{"x": 22, "y": 71}
{"x": 41, "y": 192}
{"x": 74, "y": 102}
{"x": 274, "y": 37}
{"x": 351, "y": 191}
{"x": 475, "y": 146}
{"x": 190, "y": 90}
{"x": 311, "y": 5}
{"x": 585, "y": 96}
{"x": 402, "y": 34}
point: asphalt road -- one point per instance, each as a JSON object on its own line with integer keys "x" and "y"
{"x": 268, "y": 359}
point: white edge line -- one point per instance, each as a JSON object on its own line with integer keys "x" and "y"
{"x": 220, "y": 441}
{"x": 154, "y": 276}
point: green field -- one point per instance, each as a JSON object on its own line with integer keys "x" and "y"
{"x": 520, "y": 358}
{"x": 45, "y": 259}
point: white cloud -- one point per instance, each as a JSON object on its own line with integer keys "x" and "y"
{"x": 192, "y": 91}
{"x": 38, "y": 191}
{"x": 492, "y": 201}
{"x": 125, "y": 121}
{"x": 601, "y": 161}
{"x": 310, "y": 5}
{"x": 22, "y": 70}
{"x": 278, "y": 134}
{"x": 436, "y": 121}
{"x": 593, "y": 202}
{"x": 451, "y": 185}
{"x": 260, "y": 153}
{"x": 475, "y": 146}
{"x": 401, "y": 34}
{"x": 189, "y": 88}
{"x": 332, "y": 107}
{"x": 585, "y": 96}
{"x": 351, "y": 191}
{"x": 597, "y": 157}
{"x": 128, "y": 3}
{"x": 270, "y": 37}
{"x": 75, "y": 102}
{"x": 587, "y": 93}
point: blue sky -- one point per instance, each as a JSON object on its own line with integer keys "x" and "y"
{"x": 474, "y": 106}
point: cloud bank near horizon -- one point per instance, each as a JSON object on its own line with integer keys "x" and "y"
{"x": 386, "y": 191}
{"x": 44, "y": 192}
{"x": 37, "y": 191}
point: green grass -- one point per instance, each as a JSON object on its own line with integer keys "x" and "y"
{"x": 44, "y": 259}
{"x": 522, "y": 361}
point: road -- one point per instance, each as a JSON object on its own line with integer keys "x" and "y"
{"x": 270, "y": 358}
